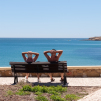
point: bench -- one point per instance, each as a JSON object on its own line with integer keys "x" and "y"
{"x": 39, "y": 67}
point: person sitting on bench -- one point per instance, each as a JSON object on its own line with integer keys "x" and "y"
{"x": 53, "y": 58}
{"x": 30, "y": 59}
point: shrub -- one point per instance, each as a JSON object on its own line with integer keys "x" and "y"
{"x": 22, "y": 93}
{"x": 9, "y": 92}
{"x": 51, "y": 88}
{"x": 41, "y": 98}
{"x": 38, "y": 93}
{"x": 71, "y": 97}
{"x": 53, "y": 92}
{"x": 36, "y": 89}
{"x": 60, "y": 89}
{"x": 44, "y": 89}
{"x": 26, "y": 88}
{"x": 57, "y": 98}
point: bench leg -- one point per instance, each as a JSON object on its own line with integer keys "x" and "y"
{"x": 65, "y": 84}
{"x": 15, "y": 79}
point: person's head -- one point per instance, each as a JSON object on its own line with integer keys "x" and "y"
{"x": 54, "y": 49}
{"x": 53, "y": 52}
{"x": 29, "y": 54}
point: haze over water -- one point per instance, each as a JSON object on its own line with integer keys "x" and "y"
{"x": 75, "y": 51}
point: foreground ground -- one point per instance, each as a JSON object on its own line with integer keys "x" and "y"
{"x": 76, "y": 85}
{"x": 5, "y": 94}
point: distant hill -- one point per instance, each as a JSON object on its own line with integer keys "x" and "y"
{"x": 95, "y": 38}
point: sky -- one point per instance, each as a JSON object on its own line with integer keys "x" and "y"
{"x": 50, "y": 18}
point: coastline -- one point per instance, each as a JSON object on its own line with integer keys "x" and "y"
{"x": 74, "y": 71}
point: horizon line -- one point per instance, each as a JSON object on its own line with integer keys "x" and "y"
{"x": 36, "y": 37}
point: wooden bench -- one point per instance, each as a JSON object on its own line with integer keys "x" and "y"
{"x": 39, "y": 67}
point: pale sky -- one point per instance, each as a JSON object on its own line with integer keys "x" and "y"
{"x": 50, "y": 18}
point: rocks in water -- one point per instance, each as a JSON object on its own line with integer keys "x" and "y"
{"x": 94, "y": 39}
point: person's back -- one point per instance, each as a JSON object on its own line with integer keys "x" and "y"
{"x": 53, "y": 58}
{"x": 30, "y": 59}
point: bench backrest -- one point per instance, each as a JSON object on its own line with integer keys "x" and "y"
{"x": 39, "y": 67}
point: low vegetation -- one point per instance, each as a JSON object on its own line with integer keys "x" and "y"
{"x": 44, "y": 93}
{"x": 29, "y": 92}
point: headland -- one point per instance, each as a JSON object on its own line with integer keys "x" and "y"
{"x": 94, "y": 39}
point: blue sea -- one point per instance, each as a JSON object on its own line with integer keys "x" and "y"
{"x": 75, "y": 51}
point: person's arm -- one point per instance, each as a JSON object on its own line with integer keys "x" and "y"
{"x": 23, "y": 55}
{"x": 59, "y": 53}
{"x": 36, "y": 56}
{"x": 46, "y": 55}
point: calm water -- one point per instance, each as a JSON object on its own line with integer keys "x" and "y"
{"x": 75, "y": 51}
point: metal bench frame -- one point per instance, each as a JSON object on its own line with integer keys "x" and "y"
{"x": 39, "y": 67}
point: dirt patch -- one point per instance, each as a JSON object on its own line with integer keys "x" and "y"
{"x": 80, "y": 91}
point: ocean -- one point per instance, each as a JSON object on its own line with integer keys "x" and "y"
{"x": 76, "y": 51}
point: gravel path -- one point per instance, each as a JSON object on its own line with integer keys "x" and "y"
{"x": 72, "y": 81}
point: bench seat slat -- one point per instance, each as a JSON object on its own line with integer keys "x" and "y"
{"x": 24, "y": 63}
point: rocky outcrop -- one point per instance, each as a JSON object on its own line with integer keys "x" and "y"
{"x": 95, "y": 38}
